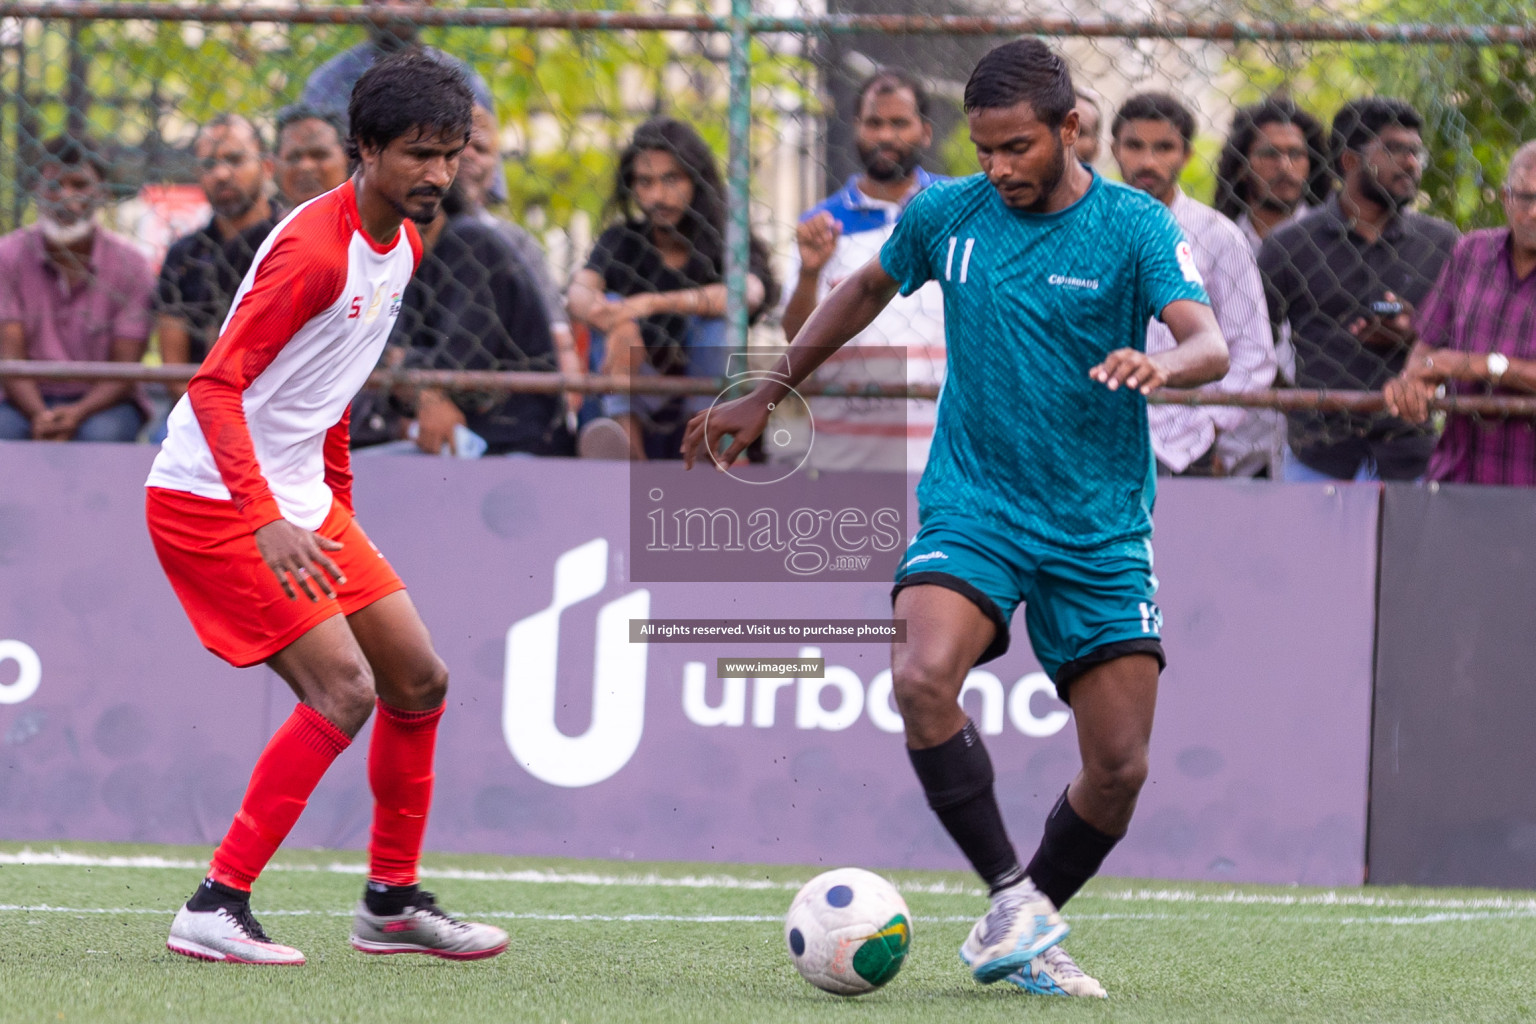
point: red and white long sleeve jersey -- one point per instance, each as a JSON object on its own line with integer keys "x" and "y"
{"x": 264, "y": 421}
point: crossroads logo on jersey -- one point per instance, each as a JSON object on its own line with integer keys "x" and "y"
{"x": 1067, "y": 281}
{"x": 1186, "y": 258}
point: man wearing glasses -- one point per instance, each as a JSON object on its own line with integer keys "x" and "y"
{"x": 202, "y": 271}
{"x": 1477, "y": 334}
{"x": 1347, "y": 281}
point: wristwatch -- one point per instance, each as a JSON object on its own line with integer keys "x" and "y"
{"x": 1497, "y": 364}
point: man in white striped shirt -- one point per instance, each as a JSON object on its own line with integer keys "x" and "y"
{"x": 1151, "y": 141}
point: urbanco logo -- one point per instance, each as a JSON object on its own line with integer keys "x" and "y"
{"x": 851, "y": 700}
{"x": 29, "y": 671}
{"x": 618, "y": 679}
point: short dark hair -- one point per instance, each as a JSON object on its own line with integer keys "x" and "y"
{"x": 408, "y": 91}
{"x": 1232, "y": 166}
{"x": 1023, "y": 71}
{"x": 1360, "y": 123}
{"x": 1155, "y": 106}
{"x": 71, "y": 151}
{"x": 233, "y": 120}
{"x": 296, "y": 112}
{"x": 888, "y": 80}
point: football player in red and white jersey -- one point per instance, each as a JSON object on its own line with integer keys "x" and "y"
{"x": 250, "y": 510}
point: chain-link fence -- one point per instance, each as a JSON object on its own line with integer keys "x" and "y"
{"x": 552, "y": 263}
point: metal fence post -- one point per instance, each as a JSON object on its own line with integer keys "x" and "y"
{"x": 738, "y": 176}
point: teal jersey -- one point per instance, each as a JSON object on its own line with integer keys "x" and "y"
{"x": 1032, "y": 301}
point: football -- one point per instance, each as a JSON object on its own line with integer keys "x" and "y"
{"x": 848, "y": 931}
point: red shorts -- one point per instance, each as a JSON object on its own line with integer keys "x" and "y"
{"x": 234, "y": 600}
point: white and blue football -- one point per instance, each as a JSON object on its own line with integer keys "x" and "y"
{"x": 848, "y": 931}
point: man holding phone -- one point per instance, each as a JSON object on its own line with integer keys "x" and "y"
{"x": 1347, "y": 279}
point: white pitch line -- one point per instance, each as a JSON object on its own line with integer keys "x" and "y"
{"x": 509, "y": 915}
{"x": 40, "y": 858}
{"x": 28, "y": 857}
{"x": 1321, "y": 899}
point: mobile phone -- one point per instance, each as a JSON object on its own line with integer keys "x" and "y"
{"x": 1383, "y": 308}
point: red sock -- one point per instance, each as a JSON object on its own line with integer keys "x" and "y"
{"x": 285, "y": 774}
{"x": 400, "y": 772}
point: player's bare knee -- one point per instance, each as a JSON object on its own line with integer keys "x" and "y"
{"x": 923, "y": 687}
{"x": 346, "y": 694}
{"x": 420, "y": 685}
{"x": 1117, "y": 779}
{"x": 431, "y": 686}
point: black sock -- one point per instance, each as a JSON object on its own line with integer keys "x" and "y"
{"x": 212, "y": 895}
{"x": 389, "y": 900}
{"x": 1069, "y": 854}
{"x": 956, "y": 777}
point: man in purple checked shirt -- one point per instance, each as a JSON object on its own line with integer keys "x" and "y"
{"x": 1477, "y": 333}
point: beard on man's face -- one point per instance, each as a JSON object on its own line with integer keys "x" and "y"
{"x": 421, "y": 205}
{"x": 1273, "y": 203}
{"x": 1050, "y": 177}
{"x": 235, "y": 206}
{"x": 888, "y": 163}
{"x": 1376, "y": 192}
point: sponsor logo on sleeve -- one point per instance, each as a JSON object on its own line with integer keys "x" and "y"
{"x": 1186, "y": 257}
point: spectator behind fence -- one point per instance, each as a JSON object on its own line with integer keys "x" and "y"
{"x": 892, "y": 132}
{"x": 311, "y": 159}
{"x": 72, "y": 291}
{"x": 1090, "y": 125}
{"x": 1346, "y": 279}
{"x": 471, "y": 306}
{"x": 655, "y": 278}
{"x": 1477, "y": 333}
{"x": 202, "y": 271}
{"x": 1273, "y": 169}
{"x": 477, "y": 169}
{"x": 1151, "y": 140}
{"x": 329, "y": 88}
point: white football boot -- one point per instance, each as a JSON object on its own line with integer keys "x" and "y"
{"x": 1055, "y": 973}
{"x": 423, "y": 928}
{"x": 232, "y": 936}
{"x": 1021, "y": 924}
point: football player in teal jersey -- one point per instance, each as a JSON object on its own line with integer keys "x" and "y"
{"x": 1040, "y": 483}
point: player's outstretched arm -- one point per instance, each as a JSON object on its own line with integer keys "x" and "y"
{"x": 847, "y": 311}
{"x": 1199, "y": 357}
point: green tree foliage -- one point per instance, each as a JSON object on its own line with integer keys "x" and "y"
{"x": 1477, "y": 101}
{"x": 568, "y": 99}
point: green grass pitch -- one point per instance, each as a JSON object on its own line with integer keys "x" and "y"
{"x": 83, "y": 926}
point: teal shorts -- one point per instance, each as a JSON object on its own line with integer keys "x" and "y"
{"x": 1082, "y": 608}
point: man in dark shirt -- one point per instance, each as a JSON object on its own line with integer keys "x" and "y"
{"x": 471, "y": 306}
{"x": 655, "y": 279}
{"x": 202, "y": 271}
{"x": 1346, "y": 279}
